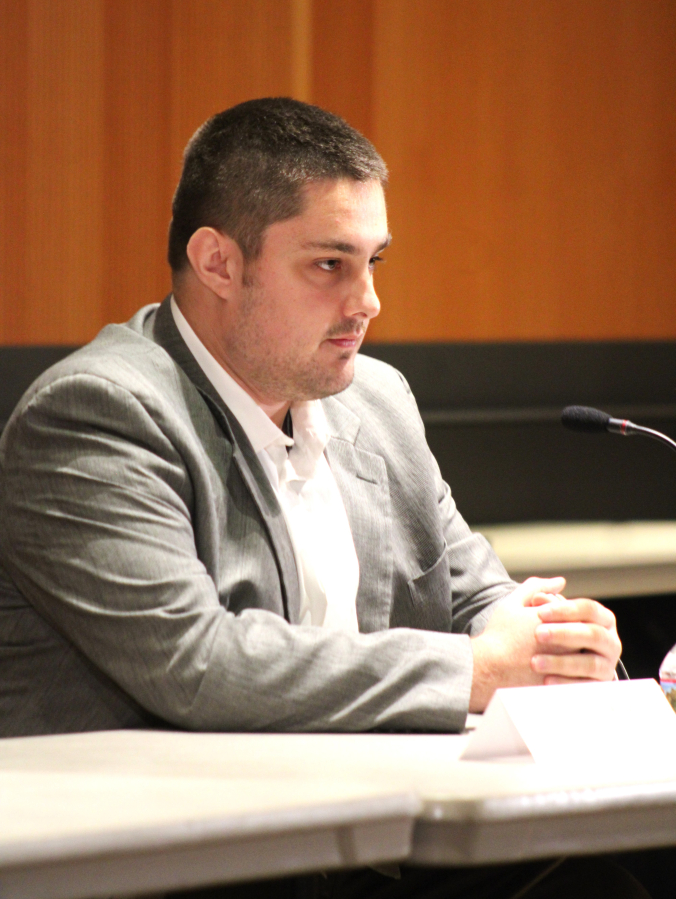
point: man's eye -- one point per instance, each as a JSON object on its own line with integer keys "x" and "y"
{"x": 329, "y": 265}
{"x": 374, "y": 260}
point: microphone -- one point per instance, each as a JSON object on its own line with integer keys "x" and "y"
{"x": 588, "y": 420}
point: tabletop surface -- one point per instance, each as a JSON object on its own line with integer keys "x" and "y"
{"x": 128, "y": 812}
{"x": 165, "y": 784}
{"x": 345, "y": 764}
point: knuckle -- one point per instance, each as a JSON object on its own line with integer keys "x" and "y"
{"x": 598, "y": 666}
{"x": 591, "y": 609}
{"x": 601, "y": 668}
{"x": 591, "y": 634}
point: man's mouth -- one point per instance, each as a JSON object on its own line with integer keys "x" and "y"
{"x": 346, "y": 342}
{"x": 346, "y": 339}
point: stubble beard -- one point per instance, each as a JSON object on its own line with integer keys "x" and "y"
{"x": 290, "y": 379}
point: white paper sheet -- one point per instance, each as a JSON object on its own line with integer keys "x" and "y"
{"x": 575, "y": 722}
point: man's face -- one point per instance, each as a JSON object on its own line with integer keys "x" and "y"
{"x": 301, "y": 319}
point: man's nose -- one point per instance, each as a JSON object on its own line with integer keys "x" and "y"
{"x": 363, "y": 299}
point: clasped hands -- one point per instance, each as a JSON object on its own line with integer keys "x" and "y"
{"x": 536, "y": 636}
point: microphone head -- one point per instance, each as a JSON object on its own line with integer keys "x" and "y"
{"x": 584, "y": 418}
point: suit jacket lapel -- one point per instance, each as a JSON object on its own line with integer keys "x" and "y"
{"x": 362, "y": 480}
{"x": 167, "y": 335}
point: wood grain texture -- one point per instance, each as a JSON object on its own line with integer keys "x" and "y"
{"x": 301, "y": 50}
{"x": 64, "y": 202}
{"x": 99, "y": 100}
{"x": 222, "y": 54}
{"x": 13, "y": 169}
{"x": 343, "y": 58}
{"x": 532, "y": 149}
{"x": 137, "y": 183}
{"x": 533, "y": 168}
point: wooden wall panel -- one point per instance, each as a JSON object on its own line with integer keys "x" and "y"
{"x": 533, "y": 168}
{"x": 13, "y": 144}
{"x": 63, "y": 150}
{"x": 532, "y": 149}
{"x": 224, "y": 53}
{"x": 100, "y": 99}
{"x": 136, "y": 178}
{"x": 342, "y": 61}
{"x": 64, "y": 202}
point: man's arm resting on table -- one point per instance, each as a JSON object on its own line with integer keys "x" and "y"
{"x": 97, "y": 533}
{"x": 537, "y": 637}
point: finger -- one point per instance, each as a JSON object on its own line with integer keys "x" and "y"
{"x": 575, "y": 665}
{"x": 541, "y": 598}
{"x": 577, "y": 637}
{"x": 577, "y": 610}
{"x": 574, "y": 635}
{"x": 535, "y": 585}
{"x": 552, "y": 680}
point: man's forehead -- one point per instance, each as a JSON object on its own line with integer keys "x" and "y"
{"x": 340, "y": 215}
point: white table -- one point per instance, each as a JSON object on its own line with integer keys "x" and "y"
{"x": 599, "y": 559}
{"x": 133, "y": 810}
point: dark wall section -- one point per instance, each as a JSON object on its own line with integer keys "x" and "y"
{"x": 492, "y": 413}
{"x": 19, "y": 367}
{"x": 492, "y": 417}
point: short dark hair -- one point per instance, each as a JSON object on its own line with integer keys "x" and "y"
{"x": 245, "y": 169}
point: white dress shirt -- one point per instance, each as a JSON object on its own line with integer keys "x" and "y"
{"x": 328, "y": 569}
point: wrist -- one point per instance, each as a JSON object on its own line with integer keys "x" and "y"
{"x": 483, "y": 684}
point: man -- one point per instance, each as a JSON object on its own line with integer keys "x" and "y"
{"x": 219, "y": 517}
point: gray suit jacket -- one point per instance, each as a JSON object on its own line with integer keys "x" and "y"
{"x": 147, "y": 574}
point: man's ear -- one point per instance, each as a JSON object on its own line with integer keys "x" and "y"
{"x": 217, "y": 260}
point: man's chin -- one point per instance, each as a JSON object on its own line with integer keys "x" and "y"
{"x": 346, "y": 374}
{"x": 331, "y": 385}
{"x": 347, "y": 379}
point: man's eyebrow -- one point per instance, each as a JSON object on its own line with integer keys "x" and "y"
{"x": 339, "y": 246}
